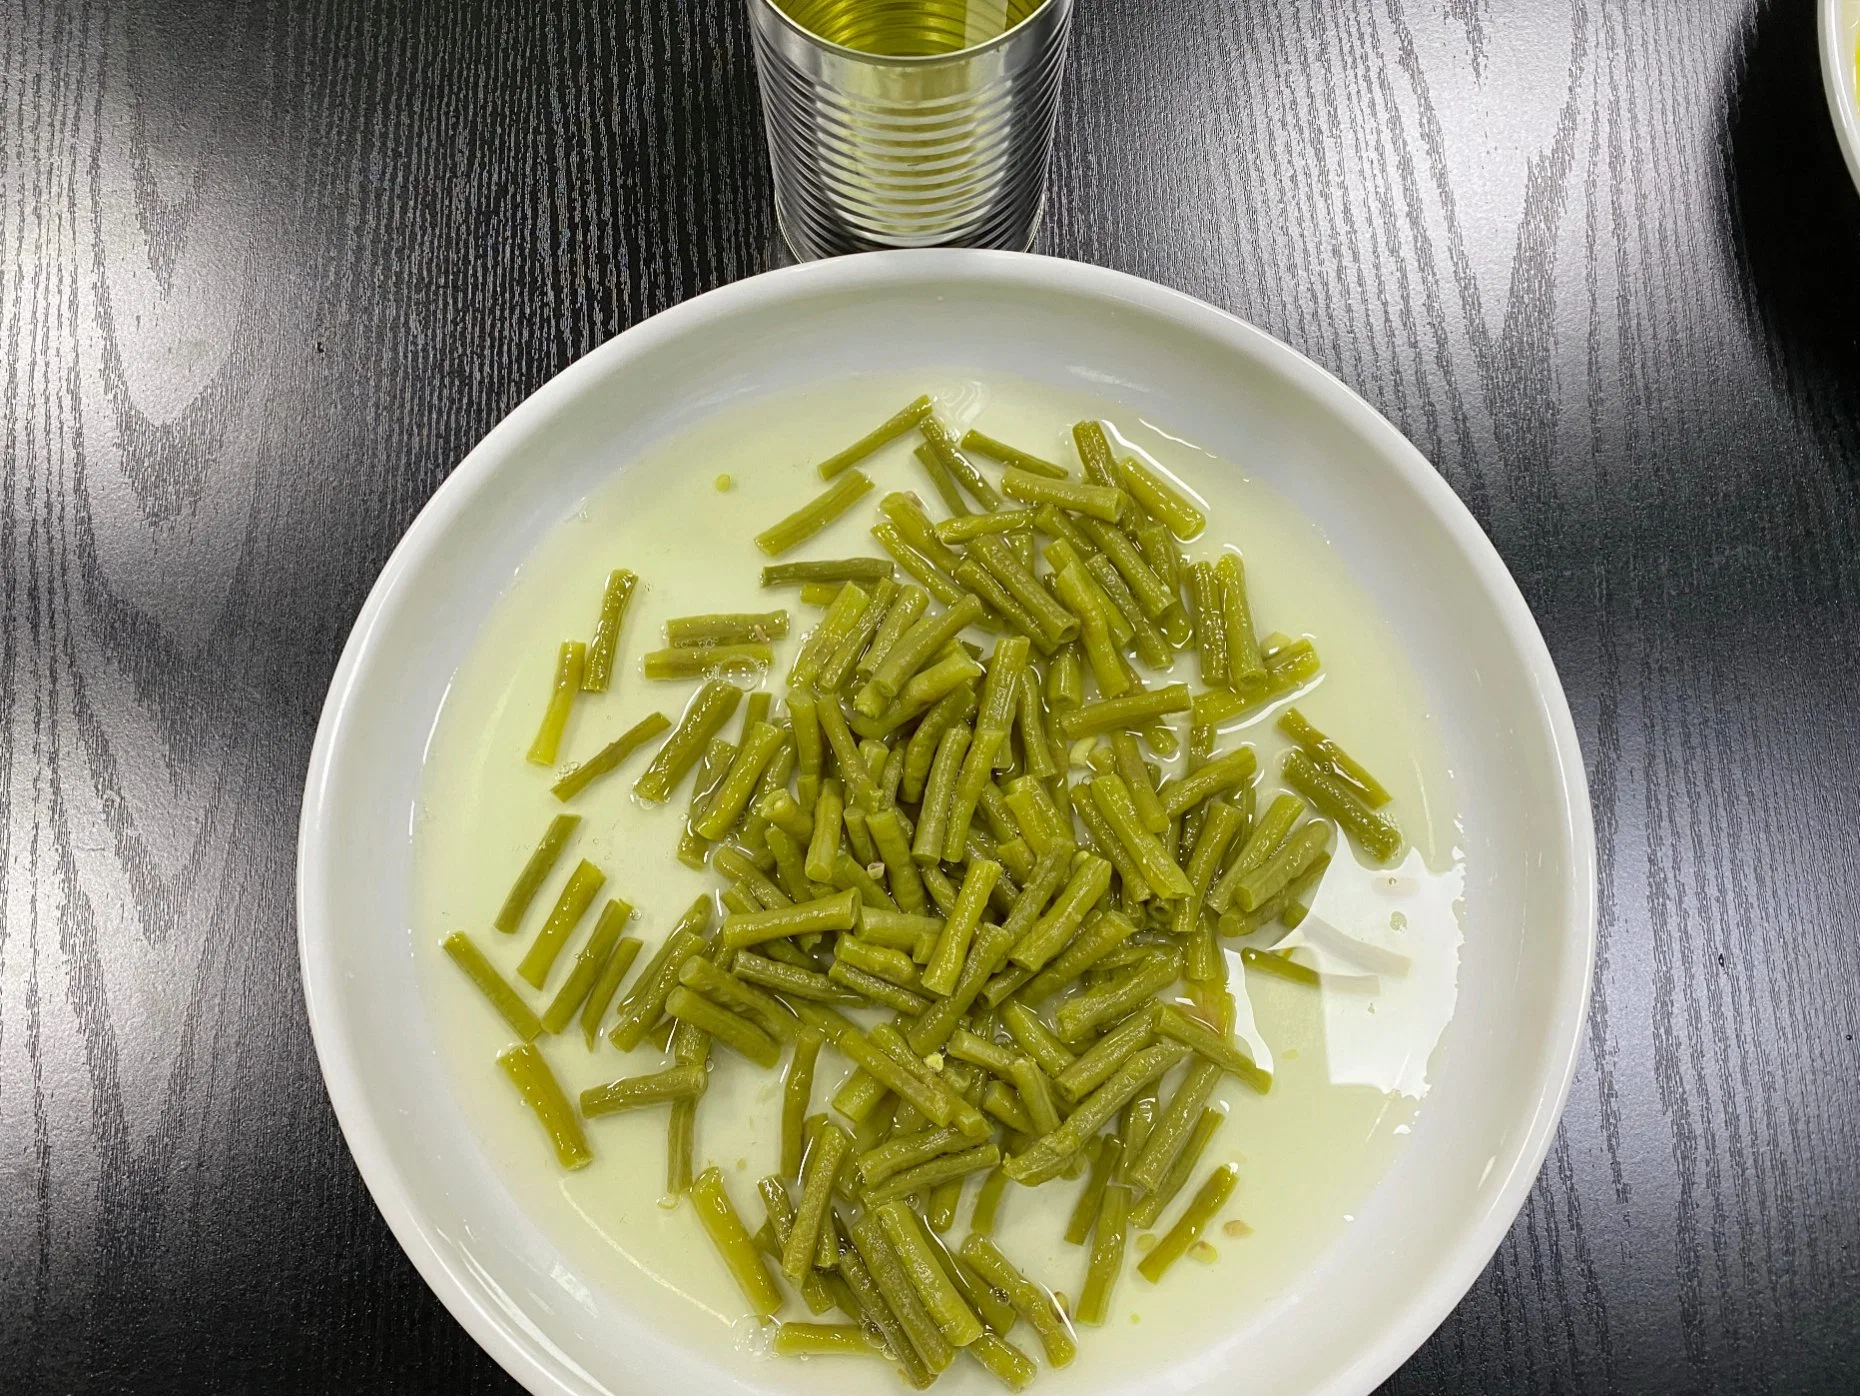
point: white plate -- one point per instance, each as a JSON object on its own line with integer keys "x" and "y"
{"x": 1840, "y": 32}
{"x": 1504, "y": 1068}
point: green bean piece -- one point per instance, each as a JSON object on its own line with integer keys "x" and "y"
{"x": 1220, "y": 827}
{"x": 1107, "y": 1256}
{"x": 709, "y": 709}
{"x": 985, "y": 1213}
{"x": 984, "y": 1052}
{"x": 1048, "y": 1156}
{"x": 986, "y": 952}
{"x": 983, "y": 445}
{"x": 826, "y": 1155}
{"x": 638, "y": 1092}
{"x": 877, "y": 1315}
{"x": 1135, "y": 888}
{"x": 901, "y": 1153}
{"x": 1124, "y": 993}
{"x": 849, "y": 569}
{"x": 703, "y": 976}
{"x": 1135, "y": 773}
{"x": 1202, "y": 1209}
{"x": 1174, "y": 1125}
{"x": 790, "y": 868}
{"x": 733, "y": 794}
{"x": 823, "y": 846}
{"x": 576, "y": 896}
{"x": 1036, "y": 820}
{"x": 1373, "y": 831}
{"x": 1094, "y": 449}
{"x": 643, "y": 1004}
{"x": 736, "y": 865}
{"x": 1326, "y": 753}
{"x": 886, "y": 962}
{"x": 1153, "y": 595}
{"x": 934, "y": 1172}
{"x": 1154, "y": 1203}
{"x": 706, "y": 662}
{"x": 823, "y": 1340}
{"x": 508, "y": 1003}
{"x": 902, "y": 930}
{"x": 774, "y": 1235}
{"x": 938, "y": 791}
{"x": 529, "y": 1072}
{"x": 996, "y": 1313}
{"x": 1036, "y": 744}
{"x": 818, "y": 594}
{"x": 1003, "y": 1361}
{"x": 906, "y": 608}
{"x": 1218, "y": 1049}
{"x": 1105, "y": 1056}
{"x": 733, "y": 1031}
{"x": 977, "y": 766}
{"x": 588, "y": 965}
{"x": 570, "y": 663}
{"x": 1091, "y": 1196}
{"x": 724, "y": 1226}
{"x": 1207, "y": 609}
{"x": 815, "y": 515}
{"x": 1284, "y": 867}
{"x": 536, "y": 870}
{"x": 840, "y": 620}
{"x": 905, "y": 513}
{"x": 952, "y": 947}
{"x": 1226, "y": 772}
{"x": 917, "y": 564}
{"x": 1244, "y": 663}
{"x": 900, "y": 422}
{"x": 1152, "y": 646}
{"x": 839, "y": 666}
{"x": 859, "y": 1095}
{"x": 1036, "y": 1094}
{"x": 1065, "y": 680}
{"x": 952, "y": 710}
{"x": 888, "y": 1273}
{"x": 854, "y": 773}
{"x": 1091, "y": 879}
{"x": 1132, "y": 710}
{"x": 913, "y": 650}
{"x": 598, "y": 668}
{"x": 939, "y": 1295}
{"x": 942, "y": 442}
{"x": 1102, "y": 934}
{"x": 836, "y": 912}
{"x": 1159, "y": 869}
{"x": 941, "y": 480}
{"x": 999, "y": 601}
{"x": 1033, "y": 1302}
{"x": 797, "y": 1092}
{"x": 1036, "y": 1039}
{"x": 810, "y": 986}
{"x": 1055, "y": 623}
{"x": 1272, "y": 829}
{"x": 1166, "y": 499}
{"x": 606, "y": 985}
{"x": 932, "y": 1097}
{"x": 967, "y": 527}
{"x": 577, "y": 778}
{"x": 1003, "y": 1102}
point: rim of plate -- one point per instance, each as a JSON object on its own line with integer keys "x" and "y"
{"x": 1838, "y": 79}
{"x": 520, "y": 1353}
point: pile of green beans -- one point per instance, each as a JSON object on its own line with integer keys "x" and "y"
{"x": 956, "y": 867}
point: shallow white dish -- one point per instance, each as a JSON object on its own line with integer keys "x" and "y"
{"x": 1839, "y": 26}
{"x": 1503, "y": 1070}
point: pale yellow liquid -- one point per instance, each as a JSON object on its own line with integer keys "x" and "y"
{"x": 1350, "y": 1059}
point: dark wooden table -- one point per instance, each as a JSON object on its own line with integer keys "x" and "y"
{"x": 267, "y": 271}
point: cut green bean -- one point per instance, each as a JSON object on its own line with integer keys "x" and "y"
{"x": 1107, "y": 1256}
{"x": 1166, "y": 499}
{"x": 1373, "y": 831}
{"x": 1159, "y": 869}
{"x": 985, "y": 1213}
{"x": 733, "y": 794}
{"x": 942, "y": 443}
{"x": 1152, "y": 646}
{"x": 726, "y": 1027}
{"x": 837, "y": 912}
{"x": 1244, "y": 663}
{"x": 841, "y": 619}
{"x": 1003, "y": 1361}
{"x": 724, "y": 1226}
{"x": 1214, "y": 1047}
{"x": 906, "y": 609}
{"x": 726, "y": 628}
{"x": 925, "y": 1336}
{"x": 1325, "y": 752}
{"x": 588, "y": 965}
{"x": 1055, "y": 623}
{"x": 1202, "y": 1209}
{"x": 704, "y": 717}
{"x": 913, "y": 650}
{"x": 849, "y": 569}
{"x": 1091, "y": 1196}
{"x": 901, "y": 1153}
{"x": 639, "y": 1092}
{"x": 577, "y": 778}
{"x": 606, "y": 985}
{"x": 826, "y": 1155}
{"x": 815, "y": 1291}
{"x": 536, "y": 871}
{"x": 952, "y": 946}
{"x": 905, "y": 513}
{"x": 1033, "y": 1037}
{"x": 934, "y": 1172}
{"x": 938, "y": 791}
{"x": 643, "y": 1004}
{"x": 1135, "y": 774}
{"x": 706, "y": 662}
{"x": 508, "y": 1003}
{"x": 598, "y": 668}
{"x": 823, "y": 846}
{"x": 703, "y": 976}
{"x": 1031, "y": 1301}
{"x": 1003, "y": 1102}
{"x": 1151, "y": 592}
{"x": 1129, "y": 711}
{"x": 815, "y": 515}
{"x": 823, "y": 1340}
{"x": 1284, "y": 867}
{"x": 796, "y": 983}
{"x": 1102, "y": 1060}
{"x": 797, "y": 1093}
{"x": 1094, "y": 449}
{"x": 529, "y": 1073}
{"x": 839, "y": 665}
{"x": 576, "y": 896}
{"x": 570, "y": 663}
{"x": 1101, "y": 935}
{"x": 906, "y": 418}
{"x": 877, "y": 1314}
{"x": 967, "y": 527}
{"x": 1065, "y": 680}
{"x": 1271, "y": 830}
{"x": 1091, "y": 879}
{"x": 1154, "y": 1203}
{"x": 1048, "y": 1156}
{"x": 1174, "y": 1125}
{"x": 983, "y": 445}
{"x": 1226, "y": 772}
{"x": 941, "y": 480}
{"x": 1210, "y": 622}
{"x": 938, "y": 1293}
{"x": 1117, "y": 996}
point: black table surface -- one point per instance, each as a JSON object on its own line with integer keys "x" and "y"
{"x": 267, "y": 271}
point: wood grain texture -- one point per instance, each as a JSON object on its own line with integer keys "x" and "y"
{"x": 268, "y": 271}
